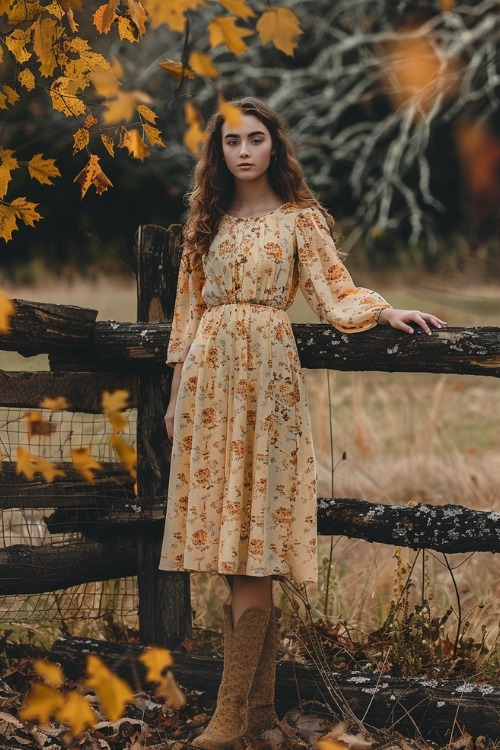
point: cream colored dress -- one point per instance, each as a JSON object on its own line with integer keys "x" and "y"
{"x": 242, "y": 491}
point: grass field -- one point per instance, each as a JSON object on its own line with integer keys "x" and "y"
{"x": 407, "y": 438}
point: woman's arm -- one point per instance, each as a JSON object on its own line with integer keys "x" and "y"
{"x": 400, "y": 319}
{"x": 174, "y": 390}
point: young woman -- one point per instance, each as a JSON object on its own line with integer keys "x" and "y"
{"x": 242, "y": 492}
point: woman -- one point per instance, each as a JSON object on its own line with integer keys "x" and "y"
{"x": 242, "y": 492}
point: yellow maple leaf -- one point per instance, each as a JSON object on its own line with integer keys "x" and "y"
{"x": 113, "y": 403}
{"x": 84, "y": 464}
{"x": 202, "y": 64}
{"x": 63, "y": 94}
{"x": 8, "y": 163}
{"x": 223, "y": 30}
{"x": 113, "y": 692}
{"x": 77, "y": 713}
{"x": 137, "y": 15}
{"x": 90, "y": 121}
{"x": 22, "y": 11}
{"x": 26, "y": 79}
{"x": 6, "y": 311}
{"x": 3, "y": 101}
{"x": 169, "y": 690}
{"x": 122, "y": 107}
{"x": 230, "y": 113}
{"x": 50, "y": 673}
{"x": 171, "y": 12}
{"x": 133, "y": 142}
{"x": 109, "y": 144}
{"x": 10, "y": 93}
{"x": 8, "y": 221}
{"x": 194, "y": 135}
{"x": 38, "y": 426}
{"x": 147, "y": 113}
{"x": 81, "y": 139}
{"x": 43, "y": 169}
{"x": 126, "y": 454}
{"x": 55, "y": 9}
{"x": 54, "y": 404}
{"x": 105, "y": 15}
{"x": 176, "y": 69}
{"x": 238, "y": 8}
{"x": 155, "y": 660}
{"x": 92, "y": 174}
{"x": 47, "y": 32}
{"x": 280, "y": 26}
{"x": 16, "y": 43}
{"x": 153, "y": 135}
{"x": 42, "y": 703}
{"x": 127, "y": 30}
{"x": 25, "y": 210}
{"x": 106, "y": 81}
{"x": 29, "y": 465}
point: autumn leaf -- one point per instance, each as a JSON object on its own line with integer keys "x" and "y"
{"x": 47, "y": 32}
{"x": 92, "y": 174}
{"x": 43, "y": 169}
{"x": 280, "y": 26}
{"x": 105, "y": 15}
{"x": 230, "y": 113}
{"x": 29, "y": 465}
{"x": 16, "y": 43}
{"x": 223, "y": 30}
{"x": 137, "y": 15}
{"x": 147, "y": 113}
{"x": 90, "y": 121}
{"x": 238, "y": 8}
{"x": 113, "y": 403}
{"x": 106, "y": 81}
{"x": 50, "y": 673}
{"x": 113, "y": 692}
{"x": 10, "y": 93}
{"x": 122, "y": 107}
{"x": 155, "y": 660}
{"x": 63, "y": 94}
{"x": 126, "y": 454}
{"x": 169, "y": 690}
{"x": 81, "y": 139}
{"x": 202, "y": 64}
{"x": 38, "y": 426}
{"x": 127, "y": 30}
{"x": 171, "y": 12}
{"x": 26, "y": 79}
{"x": 77, "y": 713}
{"x": 19, "y": 208}
{"x": 55, "y": 404}
{"x": 153, "y": 135}
{"x": 42, "y": 703}
{"x": 8, "y": 163}
{"x": 6, "y": 311}
{"x": 176, "y": 69}
{"x": 108, "y": 143}
{"x": 84, "y": 464}
{"x": 194, "y": 135}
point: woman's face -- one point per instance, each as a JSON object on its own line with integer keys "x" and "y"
{"x": 247, "y": 148}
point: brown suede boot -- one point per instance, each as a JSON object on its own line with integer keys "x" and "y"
{"x": 261, "y": 713}
{"x": 228, "y": 725}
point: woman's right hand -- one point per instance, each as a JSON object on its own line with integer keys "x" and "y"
{"x": 169, "y": 419}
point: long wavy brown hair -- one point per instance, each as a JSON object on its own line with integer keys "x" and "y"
{"x": 213, "y": 184}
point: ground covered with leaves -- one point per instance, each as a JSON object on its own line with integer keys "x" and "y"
{"x": 42, "y": 709}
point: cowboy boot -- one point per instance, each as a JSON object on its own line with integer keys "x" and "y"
{"x": 261, "y": 713}
{"x": 228, "y": 725}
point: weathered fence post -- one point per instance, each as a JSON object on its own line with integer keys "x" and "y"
{"x": 164, "y": 598}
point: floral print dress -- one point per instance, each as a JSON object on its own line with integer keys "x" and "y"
{"x": 242, "y": 490}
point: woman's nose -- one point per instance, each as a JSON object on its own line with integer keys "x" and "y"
{"x": 244, "y": 149}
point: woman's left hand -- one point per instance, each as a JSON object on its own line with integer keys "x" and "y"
{"x": 400, "y": 319}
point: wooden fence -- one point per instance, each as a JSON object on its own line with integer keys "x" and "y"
{"x": 88, "y": 356}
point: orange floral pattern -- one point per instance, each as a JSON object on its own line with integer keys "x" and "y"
{"x": 242, "y": 491}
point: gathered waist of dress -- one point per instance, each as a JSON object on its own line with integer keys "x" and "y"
{"x": 246, "y": 303}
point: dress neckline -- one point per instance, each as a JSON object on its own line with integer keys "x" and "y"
{"x": 255, "y": 218}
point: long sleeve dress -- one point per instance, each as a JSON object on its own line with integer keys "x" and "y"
{"x": 242, "y": 489}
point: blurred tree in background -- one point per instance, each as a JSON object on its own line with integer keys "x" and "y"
{"x": 394, "y": 108}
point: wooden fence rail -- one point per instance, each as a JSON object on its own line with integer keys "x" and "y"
{"x": 88, "y": 356}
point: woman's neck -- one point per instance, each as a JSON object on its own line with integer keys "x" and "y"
{"x": 250, "y": 199}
